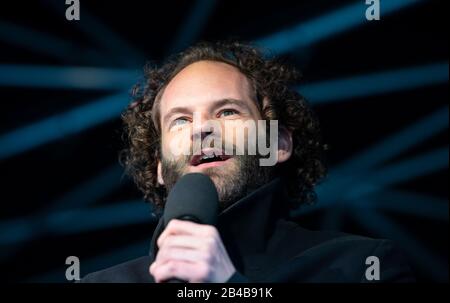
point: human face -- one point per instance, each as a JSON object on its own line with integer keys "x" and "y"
{"x": 212, "y": 91}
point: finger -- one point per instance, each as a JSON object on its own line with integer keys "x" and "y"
{"x": 177, "y": 227}
{"x": 184, "y": 241}
{"x": 180, "y": 254}
{"x": 191, "y": 272}
{"x": 172, "y": 229}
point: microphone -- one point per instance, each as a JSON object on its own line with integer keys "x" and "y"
{"x": 193, "y": 198}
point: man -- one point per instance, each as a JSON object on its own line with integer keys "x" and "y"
{"x": 231, "y": 84}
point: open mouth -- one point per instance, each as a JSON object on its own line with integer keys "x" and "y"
{"x": 213, "y": 158}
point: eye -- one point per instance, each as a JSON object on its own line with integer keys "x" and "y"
{"x": 228, "y": 112}
{"x": 179, "y": 121}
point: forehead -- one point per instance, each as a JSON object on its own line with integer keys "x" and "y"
{"x": 201, "y": 83}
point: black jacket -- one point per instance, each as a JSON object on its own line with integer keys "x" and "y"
{"x": 265, "y": 246}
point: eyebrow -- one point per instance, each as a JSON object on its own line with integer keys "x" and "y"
{"x": 217, "y": 104}
{"x": 176, "y": 110}
{"x": 229, "y": 101}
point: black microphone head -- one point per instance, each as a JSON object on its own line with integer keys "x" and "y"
{"x": 193, "y": 197}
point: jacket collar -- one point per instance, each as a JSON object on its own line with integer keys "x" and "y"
{"x": 247, "y": 225}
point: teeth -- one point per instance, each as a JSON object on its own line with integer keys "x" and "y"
{"x": 207, "y": 157}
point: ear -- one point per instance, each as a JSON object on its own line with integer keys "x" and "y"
{"x": 284, "y": 144}
{"x": 159, "y": 173}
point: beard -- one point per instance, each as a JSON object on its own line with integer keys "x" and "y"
{"x": 233, "y": 180}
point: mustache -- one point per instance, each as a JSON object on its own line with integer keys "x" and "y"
{"x": 233, "y": 183}
{"x": 225, "y": 148}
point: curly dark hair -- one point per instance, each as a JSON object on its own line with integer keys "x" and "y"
{"x": 271, "y": 80}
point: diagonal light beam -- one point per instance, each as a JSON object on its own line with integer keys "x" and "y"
{"x": 350, "y": 187}
{"x": 405, "y": 170}
{"x": 46, "y": 44}
{"x": 89, "y": 191}
{"x": 75, "y": 77}
{"x": 396, "y": 143}
{"x": 111, "y": 42}
{"x": 415, "y": 204}
{"x": 61, "y": 125}
{"x": 323, "y": 27}
{"x": 76, "y": 221}
{"x": 80, "y": 197}
{"x": 193, "y": 24}
{"x": 375, "y": 83}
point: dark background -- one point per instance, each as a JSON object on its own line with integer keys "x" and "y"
{"x": 379, "y": 89}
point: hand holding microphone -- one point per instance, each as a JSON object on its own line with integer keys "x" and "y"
{"x": 190, "y": 247}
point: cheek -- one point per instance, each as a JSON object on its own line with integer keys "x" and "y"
{"x": 241, "y": 133}
{"x": 176, "y": 143}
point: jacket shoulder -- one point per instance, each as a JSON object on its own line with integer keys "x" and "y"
{"x": 341, "y": 257}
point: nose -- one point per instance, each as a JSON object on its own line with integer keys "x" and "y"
{"x": 203, "y": 126}
{"x": 200, "y": 134}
